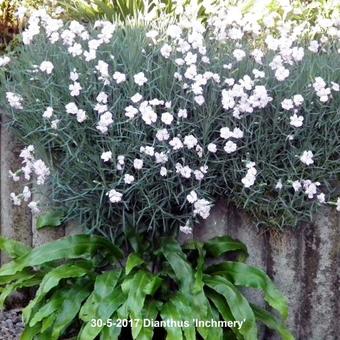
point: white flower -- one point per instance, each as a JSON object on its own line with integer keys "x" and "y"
{"x": 148, "y": 150}
{"x": 106, "y": 156}
{"x": 16, "y": 200}
{"x": 185, "y": 229}
{"x": 54, "y": 124}
{"x": 48, "y": 112}
{"x": 338, "y": 204}
{"x": 162, "y": 135}
{"x": 14, "y": 176}
{"x": 138, "y": 164}
{"x": 192, "y": 197}
{"x": 114, "y": 196}
{"x": 287, "y": 104}
{"x": 167, "y": 118}
{"x": 163, "y": 171}
{"x": 74, "y": 75}
{"x": 75, "y": 50}
{"x": 176, "y": 143}
{"x": 4, "y": 61}
{"x": 321, "y": 197}
{"x": 71, "y": 108}
{"x": 199, "y": 100}
{"x": 136, "y": 98}
{"x": 102, "y": 98}
{"x": 190, "y": 141}
{"x": 47, "y": 67}
{"x": 296, "y": 185}
{"x": 14, "y": 100}
{"x": 298, "y": 99}
{"x": 128, "y": 179}
{"x": 296, "y": 120}
{"x": 148, "y": 115}
{"x": 202, "y": 208}
{"x": 281, "y": 73}
{"x": 75, "y": 89}
{"x": 225, "y": 133}
{"x": 140, "y": 78}
{"x": 81, "y": 116}
{"x": 313, "y": 46}
{"x": 41, "y": 171}
{"x": 212, "y": 147}
{"x": 119, "y": 77}
{"x": 182, "y": 113}
{"x": 174, "y": 31}
{"x": 237, "y": 133}
{"x": 166, "y": 51}
{"x": 190, "y": 58}
{"x": 130, "y": 111}
{"x": 279, "y": 185}
{"x": 239, "y": 54}
{"x": 198, "y": 175}
{"x": 34, "y": 207}
{"x": 26, "y": 193}
{"x": 121, "y": 159}
{"x": 249, "y": 179}
{"x": 230, "y": 147}
{"x": 307, "y": 157}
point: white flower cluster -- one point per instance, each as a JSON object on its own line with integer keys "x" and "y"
{"x": 32, "y": 171}
{"x": 173, "y": 146}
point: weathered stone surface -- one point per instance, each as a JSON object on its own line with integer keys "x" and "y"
{"x": 304, "y": 264}
{"x": 15, "y": 221}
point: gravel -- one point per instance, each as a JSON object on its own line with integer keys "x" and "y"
{"x": 11, "y": 325}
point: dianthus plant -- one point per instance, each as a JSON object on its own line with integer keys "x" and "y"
{"x": 147, "y": 125}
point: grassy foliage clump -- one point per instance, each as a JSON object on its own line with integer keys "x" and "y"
{"x": 260, "y": 130}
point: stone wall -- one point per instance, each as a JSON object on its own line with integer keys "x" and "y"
{"x": 303, "y": 263}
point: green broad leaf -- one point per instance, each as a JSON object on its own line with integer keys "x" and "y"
{"x": 29, "y": 281}
{"x": 272, "y": 322}
{"x": 224, "y": 310}
{"x": 237, "y": 303}
{"x": 13, "y": 248}
{"x": 105, "y": 299}
{"x": 188, "y": 311}
{"x": 52, "y": 279}
{"x": 29, "y": 332}
{"x": 69, "y": 308}
{"x": 169, "y": 313}
{"x": 224, "y": 244}
{"x": 133, "y": 261}
{"x": 17, "y": 276}
{"x": 111, "y": 333}
{"x": 78, "y": 246}
{"x": 64, "y": 304}
{"x": 241, "y": 274}
{"x": 176, "y": 258}
{"x": 150, "y": 312}
{"x": 137, "y": 287}
{"x": 51, "y": 218}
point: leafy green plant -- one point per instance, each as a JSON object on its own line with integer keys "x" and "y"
{"x": 85, "y": 289}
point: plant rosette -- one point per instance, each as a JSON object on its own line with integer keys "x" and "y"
{"x": 85, "y": 289}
